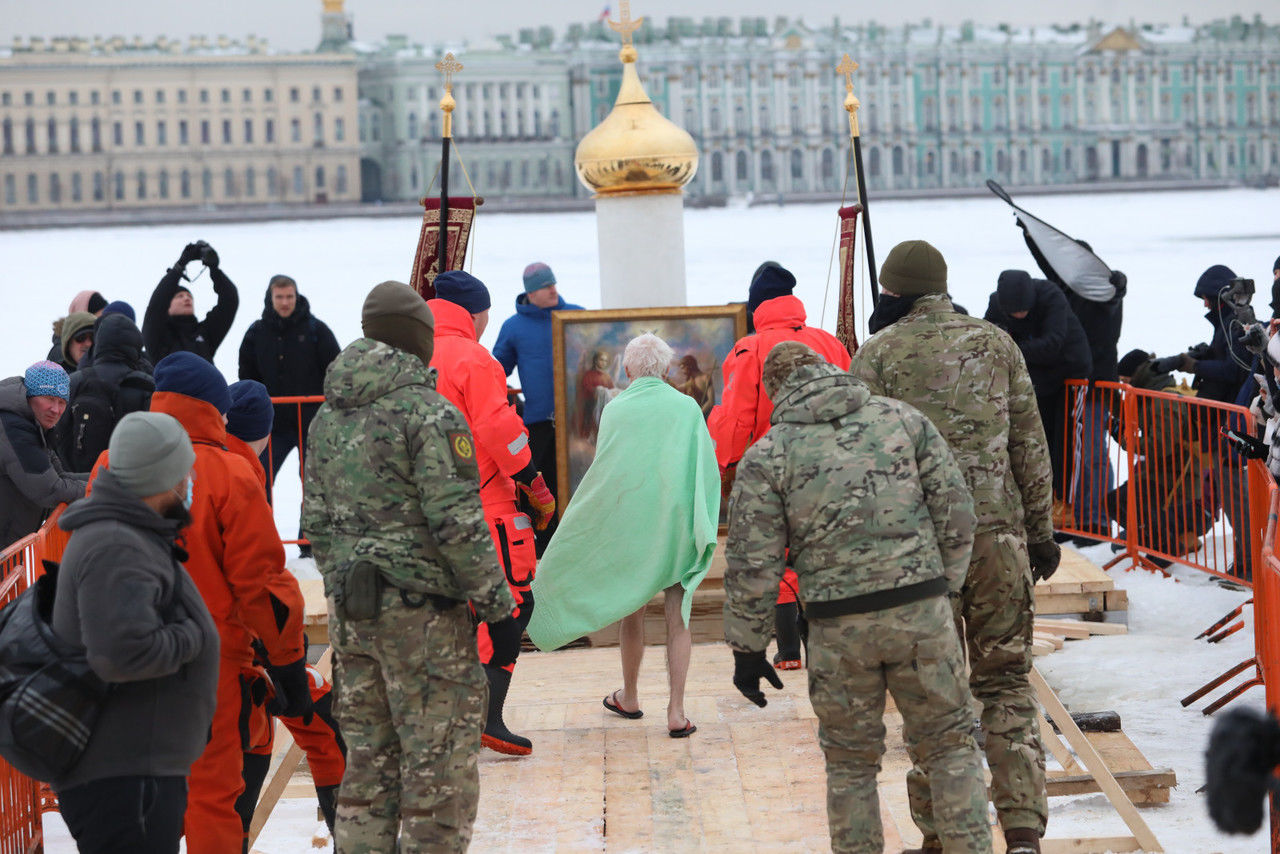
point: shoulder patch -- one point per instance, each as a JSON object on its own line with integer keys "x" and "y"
{"x": 463, "y": 449}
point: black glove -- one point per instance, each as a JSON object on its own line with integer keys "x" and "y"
{"x": 505, "y": 635}
{"x": 748, "y": 669}
{"x": 1244, "y": 748}
{"x": 190, "y": 252}
{"x": 1045, "y": 558}
{"x": 208, "y": 255}
{"x": 1120, "y": 281}
{"x": 1251, "y": 447}
{"x": 1167, "y": 364}
{"x": 293, "y": 690}
{"x": 1200, "y": 351}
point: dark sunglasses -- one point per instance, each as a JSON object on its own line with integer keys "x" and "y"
{"x": 82, "y": 338}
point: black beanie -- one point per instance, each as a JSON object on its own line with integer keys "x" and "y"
{"x": 1131, "y": 361}
{"x": 1276, "y": 266}
{"x": 770, "y": 280}
{"x": 1015, "y": 291}
{"x": 96, "y": 303}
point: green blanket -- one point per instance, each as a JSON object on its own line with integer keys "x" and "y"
{"x": 643, "y": 519}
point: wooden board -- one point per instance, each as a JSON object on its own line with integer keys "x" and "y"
{"x": 1143, "y": 784}
{"x": 1080, "y": 628}
{"x": 1076, "y": 574}
{"x": 315, "y": 610}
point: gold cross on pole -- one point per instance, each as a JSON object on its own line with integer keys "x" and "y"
{"x": 626, "y": 26}
{"x": 448, "y": 67}
{"x": 846, "y": 67}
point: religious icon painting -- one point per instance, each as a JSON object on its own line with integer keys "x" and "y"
{"x": 587, "y": 347}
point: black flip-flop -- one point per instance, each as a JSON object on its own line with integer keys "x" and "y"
{"x": 618, "y": 710}
{"x": 689, "y": 729}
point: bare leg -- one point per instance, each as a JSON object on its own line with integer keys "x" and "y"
{"x": 631, "y": 642}
{"x": 679, "y": 648}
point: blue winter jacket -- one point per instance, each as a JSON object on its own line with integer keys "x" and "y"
{"x": 524, "y": 342}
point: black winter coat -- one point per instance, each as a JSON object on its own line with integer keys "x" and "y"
{"x": 289, "y": 355}
{"x": 164, "y": 334}
{"x": 1051, "y": 339}
{"x": 32, "y": 480}
{"x": 1219, "y": 376}
{"x": 118, "y": 373}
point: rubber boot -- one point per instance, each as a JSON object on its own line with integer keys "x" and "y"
{"x": 788, "y": 631}
{"x": 327, "y": 797}
{"x": 1022, "y": 840}
{"x": 496, "y": 735}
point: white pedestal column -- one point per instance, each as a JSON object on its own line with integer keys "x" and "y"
{"x": 641, "y": 250}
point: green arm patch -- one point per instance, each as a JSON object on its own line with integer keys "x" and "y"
{"x": 463, "y": 448}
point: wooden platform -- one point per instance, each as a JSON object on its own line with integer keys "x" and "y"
{"x": 1079, "y": 587}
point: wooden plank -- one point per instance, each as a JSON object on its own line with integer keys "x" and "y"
{"x": 1059, "y": 750}
{"x": 1042, "y": 647}
{"x": 1081, "y": 603}
{"x": 1044, "y": 637}
{"x": 1093, "y": 762}
{"x": 1071, "y": 628}
{"x": 1096, "y": 845}
{"x": 1143, "y": 787}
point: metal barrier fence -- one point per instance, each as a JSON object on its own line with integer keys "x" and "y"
{"x": 1157, "y": 466}
{"x": 304, "y": 410}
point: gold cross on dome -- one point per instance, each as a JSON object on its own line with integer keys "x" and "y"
{"x": 846, "y": 67}
{"x": 626, "y": 26}
{"x": 448, "y": 67}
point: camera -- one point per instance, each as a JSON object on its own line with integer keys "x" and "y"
{"x": 1239, "y": 294}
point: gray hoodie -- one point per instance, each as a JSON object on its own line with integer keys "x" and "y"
{"x": 115, "y": 599}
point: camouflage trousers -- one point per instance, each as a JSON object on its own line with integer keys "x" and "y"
{"x": 912, "y": 651}
{"x": 997, "y": 604}
{"x": 410, "y": 698}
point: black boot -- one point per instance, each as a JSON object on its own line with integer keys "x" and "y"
{"x": 496, "y": 735}
{"x": 788, "y": 631}
{"x": 327, "y": 796}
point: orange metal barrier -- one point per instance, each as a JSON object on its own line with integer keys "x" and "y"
{"x": 1151, "y": 471}
{"x": 298, "y": 441}
{"x": 22, "y": 799}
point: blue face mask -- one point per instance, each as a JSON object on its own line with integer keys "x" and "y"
{"x": 187, "y": 492}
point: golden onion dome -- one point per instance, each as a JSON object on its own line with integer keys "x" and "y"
{"x": 635, "y": 148}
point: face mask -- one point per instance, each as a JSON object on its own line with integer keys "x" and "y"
{"x": 187, "y": 493}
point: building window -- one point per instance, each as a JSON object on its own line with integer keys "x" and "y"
{"x": 159, "y": 96}
{"x": 31, "y": 136}
{"x": 766, "y": 167}
{"x": 297, "y": 180}
{"x": 717, "y": 167}
{"x": 206, "y": 183}
{"x": 28, "y": 99}
{"x": 268, "y": 95}
{"x": 797, "y": 164}
{"x": 139, "y": 134}
{"x": 53, "y": 136}
{"x": 161, "y": 134}
{"x": 99, "y": 187}
{"x": 162, "y": 185}
{"x": 248, "y": 131}
{"x": 315, "y": 94}
{"x": 293, "y": 94}
{"x": 184, "y": 184}
{"x": 119, "y": 182}
{"x": 142, "y": 184}
{"x": 828, "y": 164}
{"x": 73, "y": 97}
{"x": 319, "y": 177}
{"x": 226, "y": 131}
{"x": 73, "y": 135}
{"x": 5, "y": 100}
{"x": 273, "y": 181}
{"x": 246, "y": 95}
{"x": 742, "y": 167}
{"x": 117, "y": 134}
{"x": 6, "y": 130}
{"x": 226, "y": 96}
{"x": 204, "y": 131}
{"x": 295, "y": 130}
{"x": 250, "y": 183}
{"x": 137, "y": 96}
{"x": 337, "y": 93}
{"x": 10, "y": 190}
{"x": 340, "y": 179}
{"x": 183, "y": 136}
{"x": 33, "y": 189}
{"x": 95, "y": 134}
{"x": 413, "y": 126}
{"x": 182, "y": 96}
{"x": 269, "y": 131}
{"x": 375, "y": 127}
{"x": 228, "y": 183}
{"x": 55, "y": 189}
{"x": 899, "y": 161}
{"x": 339, "y": 130}
{"x": 204, "y": 96}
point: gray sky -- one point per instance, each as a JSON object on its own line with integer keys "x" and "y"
{"x": 295, "y": 24}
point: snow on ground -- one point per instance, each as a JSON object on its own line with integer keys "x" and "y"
{"x": 1161, "y": 240}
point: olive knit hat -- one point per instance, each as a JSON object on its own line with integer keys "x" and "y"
{"x": 396, "y": 314}
{"x": 914, "y": 268}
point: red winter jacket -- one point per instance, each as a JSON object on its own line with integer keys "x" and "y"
{"x": 743, "y": 414}
{"x": 236, "y": 558}
{"x": 473, "y": 380}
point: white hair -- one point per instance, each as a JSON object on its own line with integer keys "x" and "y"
{"x": 647, "y": 355}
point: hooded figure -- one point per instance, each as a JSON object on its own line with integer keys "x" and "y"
{"x": 117, "y": 382}
{"x": 1036, "y": 315}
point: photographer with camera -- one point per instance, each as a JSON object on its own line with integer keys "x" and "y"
{"x": 1221, "y": 366}
{"x": 170, "y": 324}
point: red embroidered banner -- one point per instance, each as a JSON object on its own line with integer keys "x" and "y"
{"x": 426, "y": 264}
{"x": 846, "y": 330}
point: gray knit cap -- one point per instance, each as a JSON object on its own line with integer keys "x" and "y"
{"x": 150, "y": 453}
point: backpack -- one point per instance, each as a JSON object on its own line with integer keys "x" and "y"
{"x": 49, "y": 696}
{"x": 96, "y": 408}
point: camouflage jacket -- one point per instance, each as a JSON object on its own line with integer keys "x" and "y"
{"x": 391, "y": 477}
{"x": 862, "y": 489}
{"x": 970, "y": 380}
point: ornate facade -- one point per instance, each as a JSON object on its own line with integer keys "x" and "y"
{"x": 943, "y": 107}
{"x": 108, "y": 124}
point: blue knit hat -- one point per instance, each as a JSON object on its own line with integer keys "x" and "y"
{"x": 538, "y": 276}
{"x": 186, "y": 373}
{"x": 770, "y": 280}
{"x": 462, "y": 289}
{"x": 120, "y": 307}
{"x": 251, "y": 414}
{"x": 47, "y": 379}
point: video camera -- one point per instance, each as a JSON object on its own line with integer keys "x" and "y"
{"x": 1239, "y": 294}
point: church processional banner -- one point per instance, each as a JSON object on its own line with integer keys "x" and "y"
{"x": 846, "y": 330}
{"x": 426, "y": 264}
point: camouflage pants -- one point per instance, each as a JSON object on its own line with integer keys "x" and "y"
{"x": 913, "y": 651}
{"x": 410, "y": 698}
{"x": 997, "y": 606}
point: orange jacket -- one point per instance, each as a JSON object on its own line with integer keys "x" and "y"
{"x": 474, "y": 381}
{"x": 743, "y": 414}
{"x": 241, "y": 448}
{"x": 236, "y": 558}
